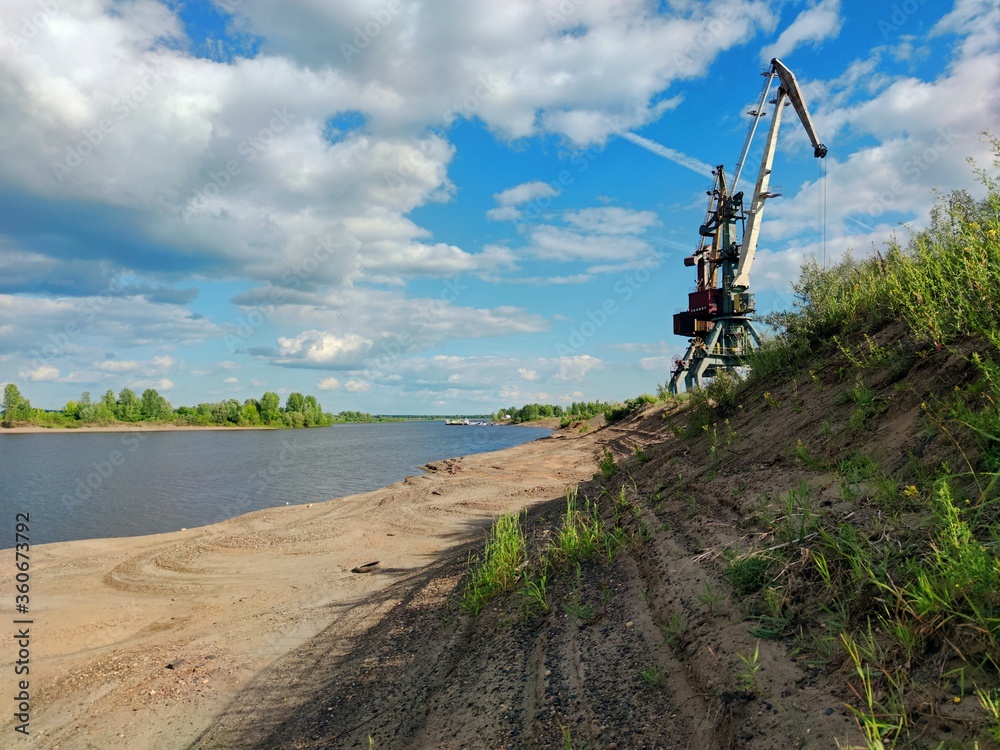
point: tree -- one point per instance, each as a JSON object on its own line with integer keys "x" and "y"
{"x": 105, "y": 410}
{"x": 312, "y": 411}
{"x": 249, "y": 414}
{"x": 71, "y": 410}
{"x": 128, "y": 406}
{"x": 84, "y": 407}
{"x": 296, "y": 403}
{"x": 269, "y": 407}
{"x": 153, "y": 407}
{"x": 16, "y": 408}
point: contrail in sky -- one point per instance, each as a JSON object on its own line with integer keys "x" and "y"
{"x": 673, "y": 155}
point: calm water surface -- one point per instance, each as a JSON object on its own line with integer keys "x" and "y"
{"x": 92, "y": 485}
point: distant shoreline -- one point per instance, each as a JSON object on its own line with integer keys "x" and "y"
{"x": 154, "y": 427}
{"x": 137, "y": 427}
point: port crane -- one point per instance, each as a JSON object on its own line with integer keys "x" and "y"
{"x": 719, "y": 318}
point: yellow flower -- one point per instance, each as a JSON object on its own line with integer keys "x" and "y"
{"x": 911, "y": 491}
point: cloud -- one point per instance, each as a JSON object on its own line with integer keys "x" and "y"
{"x": 356, "y": 386}
{"x": 232, "y": 381}
{"x": 611, "y": 220}
{"x": 536, "y": 192}
{"x": 165, "y": 361}
{"x": 117, "y": 365}
{"x": 576, "y": 368}
{"x": 521, "y": 67}
{"x": 328, "y": 384}
{"x": 820, "y": 22}
{"x": 40, "y": 374}
{"x": 163, "y": 384}
{"x": 322, "y": 348}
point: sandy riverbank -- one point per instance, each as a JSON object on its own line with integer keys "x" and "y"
{"x": 140, "y": 642}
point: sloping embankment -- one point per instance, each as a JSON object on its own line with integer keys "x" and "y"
{"x": 663, "y": 646}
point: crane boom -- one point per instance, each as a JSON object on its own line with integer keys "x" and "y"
{"x": 787, "y": 91}
{"x": 791, "y": 87}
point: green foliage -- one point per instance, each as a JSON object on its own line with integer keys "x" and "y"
{"x": 750, "y": 573}
{"x": 607, "y": 464}
{"x": 153, "y": 407}
{"x": 500, "y": 567}
{"x": 618, "y": 412}
{"x": 747, "y": 676}
{"x": 991, "y": 705}
{"x": 774, "y": 355}
{"x": 577, "y": 609}
{"x": 534, "y": 593}
{"x": 718, "y": 397}
{"x": 16, "y": 408}
{"x": 127, "y": 409}
{"x": 269, "y": 408}
{"x": 857, "y": 467}
{"x": 530, "y": 413}
{"x": 674, "y": 631}
{"x": 653, "y": 675}
{"x": 583, "y": 535}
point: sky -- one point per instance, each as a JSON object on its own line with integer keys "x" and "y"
{"x": 439, "y": 207}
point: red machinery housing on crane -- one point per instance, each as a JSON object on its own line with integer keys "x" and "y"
{"x": 719, "y": 318}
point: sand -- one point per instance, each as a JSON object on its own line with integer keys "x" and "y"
{"x": 141, "y": 642}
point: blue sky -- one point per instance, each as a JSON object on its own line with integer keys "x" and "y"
{"x": 437, "y": 207}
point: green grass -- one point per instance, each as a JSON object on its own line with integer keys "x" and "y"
{"x": 674, "y": 631}
{"x": 910, "y": 574}
{"x": 577, "y": 609}
{"x": 750, "y": 573}
{"x": 607, "y": 464}
{"x": 747, "y": 675}
{"x": 500, "y": 566}
{"x": 505, "y": 565}
{"x": 654, "y": 676}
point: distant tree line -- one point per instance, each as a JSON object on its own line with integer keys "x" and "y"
{"x": 576, "y": 411}
{"x": 151, "y": 407}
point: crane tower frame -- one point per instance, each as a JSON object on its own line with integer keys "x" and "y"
{"x": 719, "y": 318}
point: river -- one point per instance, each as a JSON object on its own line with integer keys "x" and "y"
{"x": 108, "y": 484}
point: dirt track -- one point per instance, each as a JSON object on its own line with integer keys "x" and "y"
{"x": 427, "y": 676}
